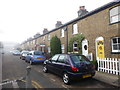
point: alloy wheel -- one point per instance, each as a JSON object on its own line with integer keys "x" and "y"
{"x": 45, "y": 69}
{"x": 66, "y": 78}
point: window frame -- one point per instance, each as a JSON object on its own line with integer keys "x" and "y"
{"x": 62, "y": 33}
{"x": 48, "y": 37}
{"x": 112, "y": 50}
{"x": 49, "y": 49}
{"x": 63, "y": 48}
{"x": 118, "y": 14}
{"x": 74, "y": 29}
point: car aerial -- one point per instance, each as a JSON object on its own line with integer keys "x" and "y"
{"x": 35, "y": 57}
{"x": 70, "y": 67}
{"x": 16, "y": 52}
{"x": 24, "y": 54}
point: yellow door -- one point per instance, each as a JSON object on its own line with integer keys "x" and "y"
{"x": 100, "y": 49}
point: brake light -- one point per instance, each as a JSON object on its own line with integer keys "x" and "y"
{"x": 74, "y": 68}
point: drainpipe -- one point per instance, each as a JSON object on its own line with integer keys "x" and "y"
{"x": 65, "y": 29}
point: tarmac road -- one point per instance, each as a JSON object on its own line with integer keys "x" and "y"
{"x": 14, "y": 68}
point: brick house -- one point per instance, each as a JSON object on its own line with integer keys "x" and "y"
{"x": 101, "y": 28}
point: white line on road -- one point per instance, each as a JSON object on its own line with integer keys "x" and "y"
{"x": 15, "y": 84}
{"x": 52, "y": 79}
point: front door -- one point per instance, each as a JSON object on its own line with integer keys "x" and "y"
{"x": 85, "y": 47}
{"x": 100, "y": 47}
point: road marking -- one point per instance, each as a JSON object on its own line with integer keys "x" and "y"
{"x": 53, "y": 79}
{"x": 15, "y": 85}
{"x": 7, "y": 82}
{"x": 35, "y": 84}
{"x": 64, "y": 86}
{"x": 39, "y": 86}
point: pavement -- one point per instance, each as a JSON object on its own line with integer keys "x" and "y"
{"x": 108, "y": 78}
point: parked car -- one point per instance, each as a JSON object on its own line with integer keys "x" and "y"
{"x": 35, "y": 57}
{"x": 24, "y": 54}
{"x": 16, "y": 52}
{"x": 70, "y": 67}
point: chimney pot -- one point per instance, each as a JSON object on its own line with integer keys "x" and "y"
{"x": 59, "y": 23}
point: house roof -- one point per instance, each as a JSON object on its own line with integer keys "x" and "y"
{"x": 84, "y": 16}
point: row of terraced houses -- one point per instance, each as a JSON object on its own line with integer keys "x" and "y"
{"x": 101, "y": 28}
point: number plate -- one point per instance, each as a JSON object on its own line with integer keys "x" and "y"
{"x": 39, "y": 58}
{"x": 86, "y": 76}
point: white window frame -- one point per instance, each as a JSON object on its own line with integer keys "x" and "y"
{"x": 115, "y": 14}
{"x": 49, "y": 50}
{"x": 62, "y": 33}
{"x": 75, "y": 29}
{"x": 63, "y": 48}
{"x": 48, "y": 37}
{"x": 117, "y": 44}
{"x": 75, "y": 47}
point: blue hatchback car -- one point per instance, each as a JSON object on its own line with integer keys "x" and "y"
{"x": 35, "y": 57}
{"x": 70, "y": 66}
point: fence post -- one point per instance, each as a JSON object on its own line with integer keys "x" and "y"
{"x": 28, "y": 78}
{"x": 119, "y": 72}
{"x": 113, "y": 66}
{"x": 98, "y": 63}
{"x": 117, "y": 62}
{"x": 105, "y": 65}
{"x": 110, "y": 65}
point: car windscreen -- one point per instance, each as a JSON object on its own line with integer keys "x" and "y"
{"x": 38, "y": 53}
{"x": 78, "y": 59}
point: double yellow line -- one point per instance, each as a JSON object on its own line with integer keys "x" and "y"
{"x": 35, "y": 84}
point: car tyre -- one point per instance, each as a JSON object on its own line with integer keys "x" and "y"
{"x": 45, "y": 70}
{"x": 66, "y": 78}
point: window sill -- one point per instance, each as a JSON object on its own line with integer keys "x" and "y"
{"x": 115, "y": 52}
{"x": 114, "y": 23}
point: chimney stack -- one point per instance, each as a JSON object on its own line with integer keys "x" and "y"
{"x": 45, "y": 30}
{"x": 82, "y": 11}
{"x": 58, "y": 24}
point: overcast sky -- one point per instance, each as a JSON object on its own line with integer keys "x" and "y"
{"x": 21, "y": 19}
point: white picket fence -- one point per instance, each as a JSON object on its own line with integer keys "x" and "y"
{"x": 109, "y": 65}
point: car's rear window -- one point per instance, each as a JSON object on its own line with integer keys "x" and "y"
{"x": 38, "y": 53}
{"x": 77, "y": 59}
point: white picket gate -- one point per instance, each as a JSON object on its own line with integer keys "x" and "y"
{"x": 109, "y": 65}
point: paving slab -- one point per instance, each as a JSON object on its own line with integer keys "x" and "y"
{"x": 108, "y": 78}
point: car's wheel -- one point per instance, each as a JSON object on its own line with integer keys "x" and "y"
{"x": 31, "y": 63}
{"x": 45, "y": 70}
{"x": 66, "y": 78}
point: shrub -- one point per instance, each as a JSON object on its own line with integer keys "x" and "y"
{"x": 95, "y": 63}
{"x": 55, "y": 45}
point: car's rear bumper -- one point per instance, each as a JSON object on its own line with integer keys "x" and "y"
{"x": 38, "y": 60}
{"x": 81, "y": 75}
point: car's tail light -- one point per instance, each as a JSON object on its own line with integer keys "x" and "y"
{"x": 74, "y": 68}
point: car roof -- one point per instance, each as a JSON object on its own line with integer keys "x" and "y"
{"x": 70, "y": 54}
